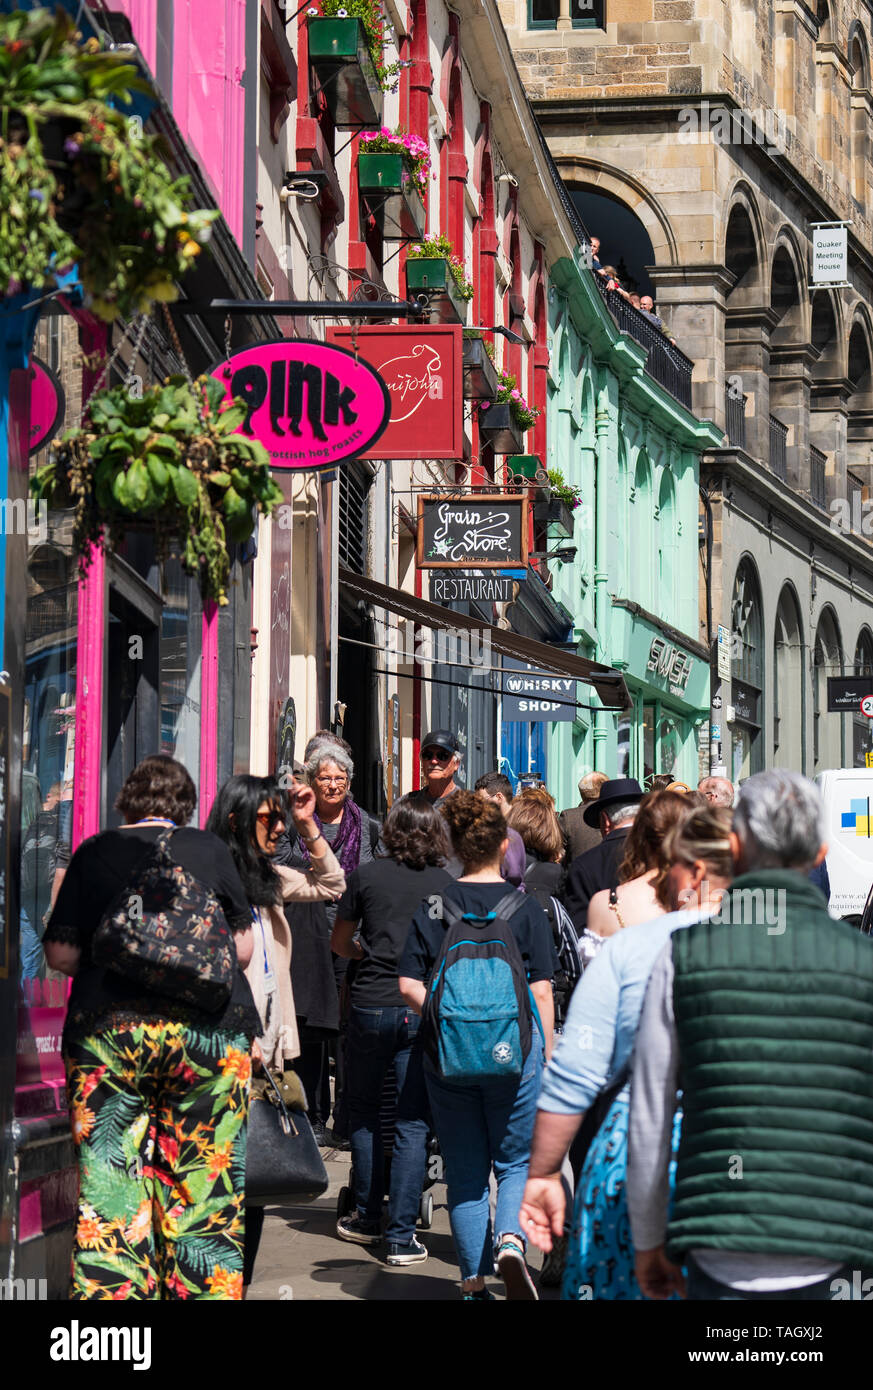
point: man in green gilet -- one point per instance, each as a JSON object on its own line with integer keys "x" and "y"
{"x": 764, "y": 1015}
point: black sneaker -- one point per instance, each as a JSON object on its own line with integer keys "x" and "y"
{"x": 412, "y": 1254}
{"x": 362, "y": 1232}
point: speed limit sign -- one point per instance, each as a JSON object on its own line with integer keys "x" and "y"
{"x": 867, "y": 706}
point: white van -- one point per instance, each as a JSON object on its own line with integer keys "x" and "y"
{"x": 848, "y": 799}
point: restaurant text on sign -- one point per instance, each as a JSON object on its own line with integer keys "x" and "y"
{"x": 310, "y": 404}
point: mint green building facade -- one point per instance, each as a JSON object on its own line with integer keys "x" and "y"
{"x": 633, "y": 451}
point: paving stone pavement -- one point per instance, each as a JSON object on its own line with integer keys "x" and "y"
{"x": 301, "y": 1257}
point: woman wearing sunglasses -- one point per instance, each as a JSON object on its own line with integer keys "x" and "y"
{"x": 249, "y": 815}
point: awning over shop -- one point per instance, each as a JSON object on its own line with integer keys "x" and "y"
{"x": 607, "y": 683}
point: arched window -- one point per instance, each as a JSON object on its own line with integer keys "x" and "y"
{"x": 862, "y": 728}
{"x": 827, "y": 728}
{"x": 667, "y": 540}
{"x": 859, "y": 60}
{"x": 640, "y": 531}
{"x": 825, "y": 94}
{"x": 789, "y": 687}
{"x": 747, "y": 672}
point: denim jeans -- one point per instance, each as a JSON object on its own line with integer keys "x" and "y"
{"x": 701, "y": 1286}
{"x": 480, "y": 1125}
{"x": 376, "y": 1038}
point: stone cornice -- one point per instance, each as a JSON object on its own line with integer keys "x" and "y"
{"x": 782, "y": 500}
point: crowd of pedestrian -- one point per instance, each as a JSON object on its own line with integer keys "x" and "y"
{"x": 631, "y": 1030}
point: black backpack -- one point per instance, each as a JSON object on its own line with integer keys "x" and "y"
{"x": 167, "y": 932}
{"x": 566, "y": 941}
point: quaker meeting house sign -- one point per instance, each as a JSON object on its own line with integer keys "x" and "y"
{"x": 310, "y": 404}
{"x": 488, "y": 531}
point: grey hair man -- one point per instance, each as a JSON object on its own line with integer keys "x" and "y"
{"x": 579, "y": 837}
{"x": 778, "y": 1085}
{"x": 613, "y": 814}
{"x": 717, "y": 790}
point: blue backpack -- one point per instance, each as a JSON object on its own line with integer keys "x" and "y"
{"x": 479, "y": 1011}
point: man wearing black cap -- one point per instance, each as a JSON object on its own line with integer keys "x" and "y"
{"x": 597, "y": 868}
{"x": 440, "y": 760}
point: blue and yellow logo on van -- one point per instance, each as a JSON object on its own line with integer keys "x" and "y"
{"x": 858, "y": 817}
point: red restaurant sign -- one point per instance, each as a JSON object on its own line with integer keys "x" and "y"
{"x": 424, "y": 372}
{"x": 310, "y": 404}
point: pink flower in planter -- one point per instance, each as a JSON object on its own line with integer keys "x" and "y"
{"x": 484, "y": 405}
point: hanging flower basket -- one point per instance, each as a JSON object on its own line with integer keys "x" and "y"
{"x": 433, "y": 268}
{"x": 344, "y": 65}
{"x": 497, "y": 427}
{"x": 80, "y": 183}
{"x": 169, "y": 460}
{"x": 393, "y": 169}
{"x": 480, "y": 373}
{"x": 556, "y": 514}
{"x": 503, "y": 423}
{"x": 331, "y": 28}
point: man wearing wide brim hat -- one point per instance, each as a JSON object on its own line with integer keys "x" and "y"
{"x": 597, "y": 868}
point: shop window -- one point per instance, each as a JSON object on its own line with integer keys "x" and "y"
{"x": 862, "y": 729}
{"x": 668, "y": 746}
{"x": 649, "y": 768}
{"x": 747, "y": 672}
{"x": 789, "y": 711}
{"x": 584, "y": 14}
{"x": 354, "y": 485}
{"x": 827, "y": 727}
{"x": 48, "y": 750}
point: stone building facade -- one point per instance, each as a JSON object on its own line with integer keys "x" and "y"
{"x": 711, "y": 139}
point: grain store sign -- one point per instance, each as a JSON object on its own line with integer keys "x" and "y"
{"x": 487, "y": 532}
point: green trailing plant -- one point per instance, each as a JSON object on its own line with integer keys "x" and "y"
{"x": 565, "y": 492}
{"x": 79, "y": 181}
{"x": 438, "y": 245}
{"x": 169, "y": 459}
{"x": 371, "y": 15}
{"x": 523, "y": 414}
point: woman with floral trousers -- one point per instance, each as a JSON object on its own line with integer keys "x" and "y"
{"x": 159, "y": 1122}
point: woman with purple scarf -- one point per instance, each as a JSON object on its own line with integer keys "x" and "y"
{"x": 353, "y": 837}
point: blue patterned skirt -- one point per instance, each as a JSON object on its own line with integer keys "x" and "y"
{"x": 600, "y": 1253}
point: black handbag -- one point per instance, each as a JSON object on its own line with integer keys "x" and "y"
{"x": 282, "y": 1157}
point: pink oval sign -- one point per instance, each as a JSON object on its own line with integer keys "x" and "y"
{"x": 310, "y": 404}
{"x": 47, "y": 404}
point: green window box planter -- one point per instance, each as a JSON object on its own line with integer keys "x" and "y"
{"x": 555, "y": 514}
{"x": 528, "y": 466}
{"x": 432, "y": 274}
{"x": 498, "y": 428}
{"x": 344, "y": 67}
{"x": 480, "y": 373}
{"x": 385, "y": 184}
